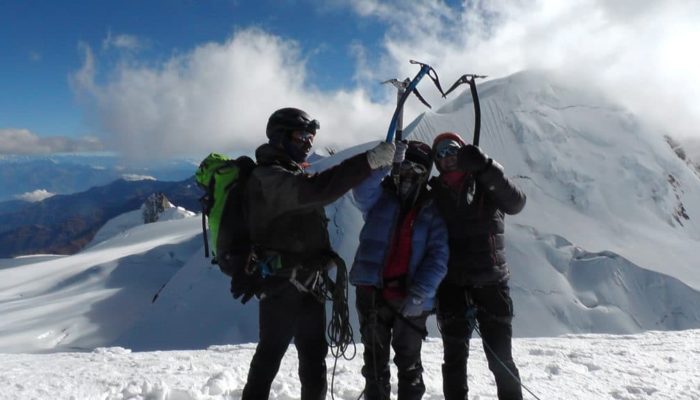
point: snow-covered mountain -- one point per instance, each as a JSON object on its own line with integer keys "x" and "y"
{"x": 63, "y": 224}
{"x": 605, "y": 244}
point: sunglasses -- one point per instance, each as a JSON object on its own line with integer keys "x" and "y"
{"x": 303, "y": 137}
{"x": 411, "y": 167}
{"x": 446, "y": 152}
{"x": 446, "y": 149}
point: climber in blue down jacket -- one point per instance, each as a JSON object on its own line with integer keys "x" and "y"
{"x": 399, "y": 264}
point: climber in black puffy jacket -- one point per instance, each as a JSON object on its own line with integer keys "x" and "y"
{"x": 473, "y": 195}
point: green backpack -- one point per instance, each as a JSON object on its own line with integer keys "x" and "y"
{"x": 224, "y": 205}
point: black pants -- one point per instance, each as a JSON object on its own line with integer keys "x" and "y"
{"x": 494, "y": 313}
{"x": 284, "y": 315}
{"x": 381, "y": 327}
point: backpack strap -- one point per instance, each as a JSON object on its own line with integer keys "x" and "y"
{"x": 204, "y": 234}
{"x": 206, "y": 203}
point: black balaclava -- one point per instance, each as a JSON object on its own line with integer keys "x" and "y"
{"x": 298, "y": 152}
{"x": 410, "y": 180}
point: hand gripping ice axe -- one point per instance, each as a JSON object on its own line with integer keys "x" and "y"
{"x": 405, "y": 88}
{"x": 400, "y": 90}
{"x": 401, "y": 87}
{"x": 469, "y": 78}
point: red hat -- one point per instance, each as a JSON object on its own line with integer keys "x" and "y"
{"x": 448, "y": 136}
{"x": 445, "y": 136}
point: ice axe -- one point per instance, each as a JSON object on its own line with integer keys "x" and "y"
{"x": 469, "y": 78}
{"x": 404, "y": 90}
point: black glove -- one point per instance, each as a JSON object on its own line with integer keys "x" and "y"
{"x": 239, "y": 285}
{"x": 243, "y": 285}
{"x": 225, "y": 263}
{"x": 473, "y": 159}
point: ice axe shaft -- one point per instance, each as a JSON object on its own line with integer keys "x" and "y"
{"x": 400, "y": 90}
{"x": 470, "y": 79}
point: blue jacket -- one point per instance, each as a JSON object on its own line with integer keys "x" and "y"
{"x": 429, "y": 245}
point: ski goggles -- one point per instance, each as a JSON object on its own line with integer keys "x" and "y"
{"x": 446, "y": 148}
{"x": 411, "y": 167}
{"x": 311, "y": 126}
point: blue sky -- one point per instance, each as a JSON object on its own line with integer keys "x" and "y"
{"x": 181, "y": 76}
{"x": 39, "y": 42}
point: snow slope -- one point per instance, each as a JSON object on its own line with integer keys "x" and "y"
{"x": 86, "y": 300}
{"x": 648, "y": 366}
{"x": 560, "y": 288}
{"x": 122, "y": 223}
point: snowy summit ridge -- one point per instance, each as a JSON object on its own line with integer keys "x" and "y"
{"x": 601, "y": 246}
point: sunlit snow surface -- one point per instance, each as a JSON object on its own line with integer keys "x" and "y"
{"x": 652, "y": 365}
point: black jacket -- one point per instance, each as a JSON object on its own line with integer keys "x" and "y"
{"x": 474, "y": 217}
{"x": 286, "y": 205}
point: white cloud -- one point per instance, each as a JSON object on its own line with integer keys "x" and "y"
{"x": 23, "y": 141}
{"x": 35, "y": 196}
{"x": 218, "y": 97}
{"x": 640, "y": 52}
{"x": 122, "y": 42}
{"x": 136, "y": 177}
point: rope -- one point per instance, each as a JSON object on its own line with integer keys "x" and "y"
{"x": 471, "y": 320}
{"x": 339, "y": 332}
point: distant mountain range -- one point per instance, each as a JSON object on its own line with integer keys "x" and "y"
{"x": 72, "y": 173}
{"x": 63, "y": 224}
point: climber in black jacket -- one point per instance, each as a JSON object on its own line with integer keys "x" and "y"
{"x": 473, "y": 195}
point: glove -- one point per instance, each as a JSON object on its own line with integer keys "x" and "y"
{"x": 382, "y": 155}
{"x": 245, "y": 286}
{"x": 473, "y": 159}
{"x": 400, "y": 153}
{"x": 230, "y": 264}
{"x": 412, "y": 307}
{"x": 240, "y": 283}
